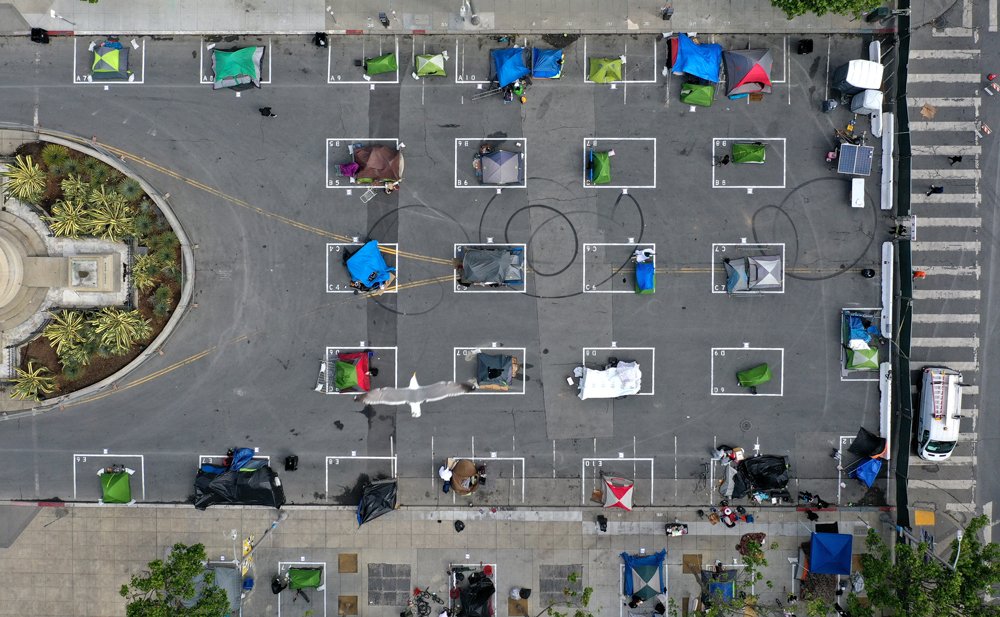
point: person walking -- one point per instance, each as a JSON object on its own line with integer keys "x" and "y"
{"x": 267, "y": 113}
{"x": 954, "y": 159}
{"x": 723, "y": 160}
{"x": 934, "y": 189}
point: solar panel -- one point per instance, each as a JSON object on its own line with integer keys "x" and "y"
{"x": 855, "y": 160}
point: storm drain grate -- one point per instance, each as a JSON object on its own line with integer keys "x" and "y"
{"x": 555, "y": 579}
{"x": 388, "y": 584}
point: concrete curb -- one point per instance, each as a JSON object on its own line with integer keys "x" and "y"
{"x": 187, "y": 287}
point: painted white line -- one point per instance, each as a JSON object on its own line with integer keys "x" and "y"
{"x": 336, "y": 460}
{"x": 723, "y": 142}
{"x": 951, "y": 461}
{"x": 939, "y": 78}
{"x": 337, "y": 182}
{"x": 970, "y": 367}
{"x": 971, "y": 390}
{"x": 475, "y": 289}
{"x": 988, "y": 511}
{"x": 944, "y": 54}
{"x": 969, "y": 318}
{"x": 82, "y": 458}
{"x": 344, "y": 285}
{"x": 945, "y": 341}
{"x": 592, "y": 352}
{"x": 928, "y": 247}
{"x": 945, "y": 150}
{"x": 597, "y": 463}
{"x": 587, "y": 287}
{"x": 946, "y": 198}
{"x": 473, "y": 142}
{"x": 945, "y": 174}
{"x": 968, "y": 437}
{"x": 521, "y": 353}
{"x": 594, "y": 142}
{"x": 303, "y": 562}
{"x": 943, "y": 221}
{"x": 721, "y": 390}
{"x": 945, "y": 294}
{"x": 625, "y": 80}
{"x": 332, "y": 350}
{"x": 955, "y": 127}
{"x": 967, "y": 508}
{"x": 949, "y": 270}
{"x": 993, "y": 25}
{"x": 952, "y": 101}
{"x": 946, "y": 485}
{"x": 330, "y": 79}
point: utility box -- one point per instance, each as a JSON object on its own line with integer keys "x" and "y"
{"x": 858, "y": 75}
{"x": 857, "y": 192}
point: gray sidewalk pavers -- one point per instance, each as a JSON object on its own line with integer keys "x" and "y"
{"x": 72, "y": 561}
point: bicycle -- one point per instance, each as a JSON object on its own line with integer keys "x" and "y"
{"x": 421, "y": 601}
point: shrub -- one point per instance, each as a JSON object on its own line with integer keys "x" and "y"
{"x": 69, "y": 218}
{"x": 117, "y": 330}
{"x": 130, "y": 189}
{"x": 32, "y": 383}
{"x": 73, "y": 187}
{"x": 71, "y": 166}
{"x": 162, "y": 300}
{"x": 25, "y": 180}
{"x": 109, "y": 216}
{"x": 94, "y": 171}
{"x": 54, "y": 154}
{"x": 76, "y": 356}
{"x": 67, "y": 329}
{"x": 144, "y": 271}
{"x": 143, "y": 223}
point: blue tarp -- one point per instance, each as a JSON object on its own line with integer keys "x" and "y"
{"x": 857, "y": 329}
{"x": 830, "y": 553}
{"x": 867, "y": 471}
{"x": 704, "y": 61}
{"x": 737, "y": 278}
{"x": 723, "y": 591}
{"x": 645, "y": 275}
{"x": 644, "y": 574}
{"x": 508, "y": 64}
{"x": 546, "y": 63}
{"x": 367, "y": 266}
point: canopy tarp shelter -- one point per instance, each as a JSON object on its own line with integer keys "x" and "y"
{"x": 830, "y": 553}
{"x": 430, "y": 65}
{"x": 246, "y": 481}
{"x": 546, "y": 63}
{"x": 237, "y": 67}
{"x": 754, "y": 376}
{"x": 867, "y": 471}
{"x": 699, "y": 60}
{"x": 598, "y": 167}
{"x": 378, "y": 163}
{"x": 367, "y": 266}
{"x": 749, "y": 274}
{"x": 867, "y": 443}
{"x": 110, "y": 63}
{"x": 502, "y": 167}
{"x": 747, "y": 71}
{"x": 605, "y": 70}
{"x": 644, "y": 575}
{"x": 350, "y": 372}
{"x": 116, "y": 487}
{"x": 494, "y": 371}
{"x": 497, "y": 266}
{"x": 698, "y": 94}
{"x": 749, "y": 152}
{"x": 305, "y": 578}
{"x": 377, "y": 499}
{"x": 623, "y": 379}
{"x": 386, "y": 63}
{"x": 862, "y": 359}
{"x": 618, "y": 492}
{"x": 508, "y": 65}
{"x": 718, "y": 586}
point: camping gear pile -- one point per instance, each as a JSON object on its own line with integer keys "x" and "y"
{"x": 110, "y": 61}
{"x": 860, "y": 337}
{"x": 753, "y": 274}
{"x": 748, "y": 71}
{"x": 495, "y": 372}
{"x": 368, "y": 270}
{"x": 511, "y": 77}
{"x": 472, "y": 591}
{"x": 617, "y": 379}
{"x": 482, "y": 266}
{"x": 376, "y": 165}
{"x": 237, "y": 68}
{"x": 377, "y": 498}
{"x": 240, "y": 480}
{"x": 870, "y": 449}
{"x": 761, "y": 478}
{"x": 462, "y": 476}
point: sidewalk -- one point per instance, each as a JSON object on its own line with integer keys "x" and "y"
{"x": 421, "y": 16}
{"x": 72, "y": 561}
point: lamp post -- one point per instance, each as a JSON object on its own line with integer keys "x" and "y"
{"x": 54, "y": 15}
{"x": 958, "y": 551}
{"x": 282, "y": 516}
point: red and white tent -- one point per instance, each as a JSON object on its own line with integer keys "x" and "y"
{"x": 618, "y": 493}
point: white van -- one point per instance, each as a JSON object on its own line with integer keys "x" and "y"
{"x": 940, "y": 413}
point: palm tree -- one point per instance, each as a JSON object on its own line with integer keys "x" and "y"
{"x": 110, "y": 216}
{"x": 73, "y": 187}
{"x": 32, "y": 382}
{"x": 118, "y": 330}
{"x": 67, "y": 329}
{"x": 69, "y": 218}
{"x": 25, "y": 180}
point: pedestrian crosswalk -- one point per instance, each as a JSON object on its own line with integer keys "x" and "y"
{"x": 944, "y": 97}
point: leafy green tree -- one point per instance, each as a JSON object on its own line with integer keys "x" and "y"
{"x": 25, "y": 180}
{"x": 69, "y": 218}
{"x": 794, "y": 8}
{"x": 160, "y": 590}
{"x": 32, "y": 383}
{"x": 573, "y": 603}
{"x": 118, "y": 330}
{"x": 917, "y": 586}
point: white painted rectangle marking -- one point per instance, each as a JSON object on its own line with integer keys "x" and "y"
{"x": 336, "y": 459}
{"x": 520, "y": 142}
{"x": 333, "y": 287}
{"x": 587, "y": 288}
{"x": 625, "y": 79}
{"x": 722, "y": 249}
{"x": 521, "y": 353}
{"x": 354, "y": 348}
{"x": 457, "y": 288}
{"x": 83, "y": 458}
{"x": 324, "y": 586}
{"x": 721, "y": 391}
{"x": 330, "y": 79}
{"x": 124, "y": 82}
{"x": 723, "y": 142}
{"x": 336, "y": 182}
{"x": 592, "y": 142}
{"x": 597, "y": 463}
{"x": 204, "y": 79}
{"x": 970, "y": 318}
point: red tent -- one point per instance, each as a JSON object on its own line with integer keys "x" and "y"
{"x": 351, "y": 372}
{"x": 618, "y": 493}
{"x": 747, "y": 71}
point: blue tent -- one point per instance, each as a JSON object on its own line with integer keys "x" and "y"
{"x": 546, "y": 63}
{"x": 867, "y": 471}
{"x": 508, "y": 64}
{"x": 368, "y": 267}
{"x": 704, "y": 61}
{"x": 645, "y": 277}
{"x": 830, "y": 553}
{"x": 644, "y": 575}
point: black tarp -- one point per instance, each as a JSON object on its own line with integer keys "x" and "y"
{"x": 867, "y": 444}
{"x": 493, "y": 369}
{"x": 377, "y": 499}
{"x": 760, "y": 473}
{"x": 475, "y": 597}
{"x": 493, "y": 266}
{"x": 253, "y": 485}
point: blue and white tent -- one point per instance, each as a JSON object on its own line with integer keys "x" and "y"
{"x": 644, "y": 575}
{"x": 508, "y": 65}
{"x": 546, "y": 63}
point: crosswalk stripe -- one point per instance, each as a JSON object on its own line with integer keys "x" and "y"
{"x": 918, "y": 78}
{"x": 951, "y": 101}
{"x": 945, "y": 174}
{"x": 972, "y": 367}
{"x": 928, "y": 247}
{"x": 969, "y": 508}
{"x": 951, "y": 460}
{"x": 944, "y": 221}
{"x": 944, "y": 341}
{"x": 968, "y": 437}
{"x": 945, "y": 150}
{"x": 955, "y": 127}
{"x": 944, "y": 54}
{"x": 945, "y": 294}
{"x": 971, "y": 390}
{"x": 947, "y": 318}
{"x": 963, "y": 32}
{"x": 946, "y": 198}
{"x": 949, "y": 270}
{"x": 947, "y": 485}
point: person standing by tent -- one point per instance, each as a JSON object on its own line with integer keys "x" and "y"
{"x": 724, "y": 160}
{"x": 267, "y": 113}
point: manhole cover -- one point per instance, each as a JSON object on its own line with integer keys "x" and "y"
{"x": 745, "y": 425}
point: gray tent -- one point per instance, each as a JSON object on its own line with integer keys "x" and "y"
{"x": 492, "y": 267}
{"x": 494, "y": 371}
{"x": 747, "y": 71}
{"x": 748, "y": 274}
{"x": 502, "y": 167}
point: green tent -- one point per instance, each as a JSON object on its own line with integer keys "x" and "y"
{"x": 754, "y": 376}
{"x": 430, "y": 65}
{"x": 698, "y": 94}
{"x": 345, "y": 376}
{"x": 116, "y": 487}
{"x": 238, "y": 67}
{"x": 862, "y": 359}
{"x": 305, "y": 578}
{"x": 605, "y": 70}
{"x": 748, "y": 152}
{"x": 381, "y": 64}
{"x": 110, "y": 63}
{"x": 599, "y": 168}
